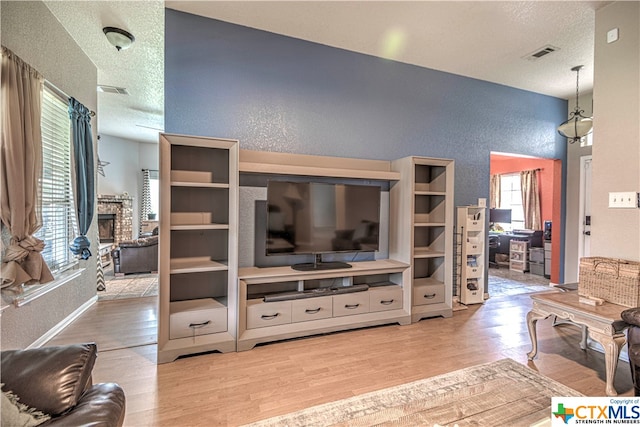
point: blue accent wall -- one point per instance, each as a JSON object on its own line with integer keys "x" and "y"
{"x": 277, "y": 93}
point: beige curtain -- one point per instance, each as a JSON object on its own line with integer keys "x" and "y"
{"x": 494, "y": 192}
{"x": 530, "y": 199}
{"x": 20, "y": 172}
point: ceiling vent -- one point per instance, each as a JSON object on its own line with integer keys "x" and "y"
{"x": 113, "y": 89}
{"x": 539, "y": 53}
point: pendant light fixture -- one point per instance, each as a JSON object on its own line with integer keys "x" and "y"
{"x": 578, "y": 126}
{"x": 118, "y": 37}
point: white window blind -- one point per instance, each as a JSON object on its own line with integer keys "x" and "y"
{"x": 58, "y": 212}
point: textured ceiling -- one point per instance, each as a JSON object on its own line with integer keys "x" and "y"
{"x": 483, "y": 40}
{"x": 139, "y": 69}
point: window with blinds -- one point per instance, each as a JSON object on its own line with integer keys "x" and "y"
{"x": 58, "y": 213}
{"x": 511, "y": 198}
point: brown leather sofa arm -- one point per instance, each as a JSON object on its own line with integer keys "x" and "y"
{"x": 631, "y": 316}
{"x": 57, "y": 381}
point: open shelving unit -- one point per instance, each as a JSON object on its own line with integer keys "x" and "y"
{"x": 471, "y": 265}
{"x": 422, "y": 217}
{"x": 208, "y": 304}
{"x": 198, "y": 245}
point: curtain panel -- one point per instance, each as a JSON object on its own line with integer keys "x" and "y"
{"x": 84, "y": 175}
{"x": 530, "y": 200}
{"x": 494, "y": 192}
{"x": 145, "y": 203}
{"x": 20, "y": 174}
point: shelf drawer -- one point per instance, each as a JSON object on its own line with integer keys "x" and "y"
{"x": 385, "y": 298}
{"x": 474, "y": 225}
{"x": 474, "y": 272}
{"x": 303, "y": 310}
{"x": 428, "y": 294}
{"x": 262, "y": 314}
{"x": 519, "y": 266}
{"x": 475, "y": 248}
{"x": 196, "y": 317}
{"x": 520, "y": 246}
{"x": 348, "y": 304}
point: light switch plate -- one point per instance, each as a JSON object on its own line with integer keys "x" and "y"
{"x": 624, "y": 199}
{"x": 612, "y": 35}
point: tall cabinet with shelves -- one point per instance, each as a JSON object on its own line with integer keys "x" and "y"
{"x": 198, "y": 245}
{"x": 422, "y": 216}
{"x": 471, "y": 253}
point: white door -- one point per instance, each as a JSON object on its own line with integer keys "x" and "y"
{"x": 584, "y": 247}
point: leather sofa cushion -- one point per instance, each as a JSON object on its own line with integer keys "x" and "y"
{"x": 51, "y": 379}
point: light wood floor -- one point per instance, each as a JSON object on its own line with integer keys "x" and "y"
{"x": 273, "y": 379}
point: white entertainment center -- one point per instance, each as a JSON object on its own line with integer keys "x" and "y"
{"x": 208, "y": 303}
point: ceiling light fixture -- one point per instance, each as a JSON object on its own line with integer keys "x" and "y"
{"x": 578, "y": 126}
{"x": 121, "y": 39}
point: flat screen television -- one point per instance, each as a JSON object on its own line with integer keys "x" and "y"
{"x": 318, "y": 218}
{"x": 500, "y": 215}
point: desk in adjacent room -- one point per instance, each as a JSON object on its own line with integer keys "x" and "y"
{"x": 603, "y": 323}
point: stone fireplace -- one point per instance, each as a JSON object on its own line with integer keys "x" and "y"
{"x": 115, "y": 218}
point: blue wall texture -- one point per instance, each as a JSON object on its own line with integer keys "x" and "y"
{"x": 277, "y": 93}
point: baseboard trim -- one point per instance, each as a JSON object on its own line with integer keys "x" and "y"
{"x": 64, "y": 323}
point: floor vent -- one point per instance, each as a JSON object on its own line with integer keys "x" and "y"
{"x": 539, "y": 53}
{"x": 113, "y": 89}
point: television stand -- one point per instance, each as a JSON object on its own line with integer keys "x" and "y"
{"x": 318, "y": 265}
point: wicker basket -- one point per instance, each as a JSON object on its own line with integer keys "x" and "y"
{"x": 614, "y": 280}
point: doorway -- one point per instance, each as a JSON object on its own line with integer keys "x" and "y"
{"x": 502, "y": 280}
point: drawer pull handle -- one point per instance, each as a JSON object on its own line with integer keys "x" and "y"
{"x": 312, "y": 311}
{"x": 199, "y": 325}
{"x": 269, "y": 316}
{"x": 387, "y": 302}
{"x": 430, "y": 296}
{"x": 351, "y": 306}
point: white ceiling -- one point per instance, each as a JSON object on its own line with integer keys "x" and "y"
{"x": 486, "y": 40}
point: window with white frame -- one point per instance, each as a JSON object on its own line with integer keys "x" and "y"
{"x": 511, "y": 198}
{"x": 58, "y": 212}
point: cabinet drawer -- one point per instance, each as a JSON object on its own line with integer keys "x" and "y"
{"x": 428, "y": 294}
{"x": 519, "y": 265}
{"x": 196, "y": 317}
{"x": 475, "y": 248}
{"x": 474, "y": 272}
{"x": 261, "y": 314}
{"x": 385, "y": 298}
{"x": 303, "y": 310}
{"x": 348, "y": 304}
{"x": 474, "y": 225}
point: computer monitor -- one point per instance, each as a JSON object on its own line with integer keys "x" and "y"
{"x": 500, "y": 215}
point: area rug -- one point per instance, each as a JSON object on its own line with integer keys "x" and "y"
{"x": 504, "y": 282}
{"x": 128, "y": 286}
{"x": 502, "y": 393}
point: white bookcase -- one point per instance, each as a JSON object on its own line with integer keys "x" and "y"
{"x": 471, "y": 266}
{"x": 422, "y": 215}
{"x": 198, "y": 245}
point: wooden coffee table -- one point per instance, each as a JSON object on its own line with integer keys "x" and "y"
{"x": 603, "y": 324}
